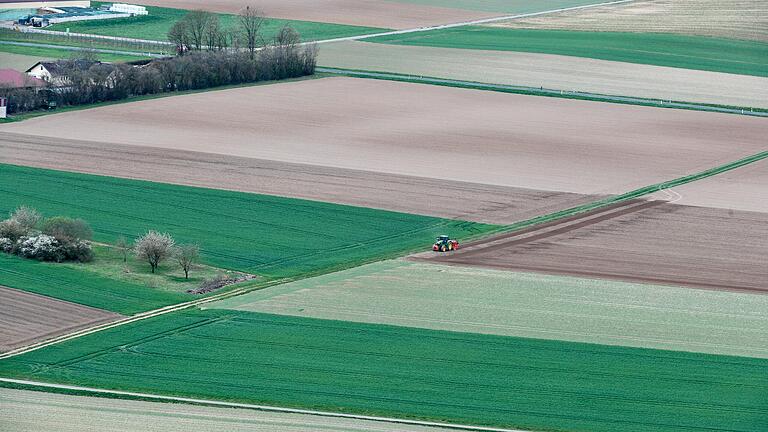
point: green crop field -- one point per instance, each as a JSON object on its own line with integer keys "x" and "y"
{"x": 524, "y": 304}
{"x": 78, "y": 286}
{"x": 266, "y": 235}
{"x": 155, "y": 26}
{"x": 46, "y": 53}
{"x": 689, "y": 52}
{"x": 406, "y": 372}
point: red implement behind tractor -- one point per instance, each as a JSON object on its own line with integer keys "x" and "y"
{"x": 445, "y": 244}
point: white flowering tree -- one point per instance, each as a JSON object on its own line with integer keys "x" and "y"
{"x": 154, "y": 248}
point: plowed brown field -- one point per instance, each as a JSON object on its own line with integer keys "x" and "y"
{"x": 429, "y": 131}
{"x": 641, "y": 241}
{"x": 27, "y": 317}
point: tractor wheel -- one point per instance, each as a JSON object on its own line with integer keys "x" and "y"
{"x": 442, "y": 248}
{"x": 450, "y": 246}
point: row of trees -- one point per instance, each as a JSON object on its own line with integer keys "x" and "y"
{"x": 200, "y": 30}
{"x": 84, "y": 81}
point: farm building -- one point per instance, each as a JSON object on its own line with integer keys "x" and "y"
{"x": 53, "y": 72}
{"x": 10, "y": 78}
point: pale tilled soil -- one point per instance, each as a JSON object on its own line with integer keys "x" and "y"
{"x": 28, "y": 317}
{"x": 551, "y": 72}
{"x": 368, "y": 13}
{"x": 420, "y": 195}
{"x": 27, "y": 411}
{"x": 647, "y": 242}
{"x": 745, "y": 188}
{"x": 737, "y": 19}
{"x": 428, "y": 131}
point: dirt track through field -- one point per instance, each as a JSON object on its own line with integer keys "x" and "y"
{"x": 442, "y": 198}
{"x": 27, "y": 317}
{"x": 428, "y": 131}
{"x": 665, "y": 244}
{"x": 369, "y": 13}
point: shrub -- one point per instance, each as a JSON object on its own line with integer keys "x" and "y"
{"x": 77, "y": 251}
{"x": 41, "y": 247}
{"x": 12, "y": 230}
{"x": 67, "y": 229}
{"x": 27, "y": 217}
{"x": 6, "y": 244}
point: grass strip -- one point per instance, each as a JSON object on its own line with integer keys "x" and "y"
{"x": 410, "y": 373}
{"x": 541, "y": 91}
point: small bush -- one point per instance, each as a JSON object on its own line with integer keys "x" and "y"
{"x": 6, "y": 244}
{"x": 67, "y": 229}
{"x": 41, "y": 247}
{"x": 27, "y": 217}
{"x": 78, "y": 251}
{"x": 12, "y": 230}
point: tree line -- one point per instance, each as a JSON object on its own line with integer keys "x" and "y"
{"x": 206, "y": 58}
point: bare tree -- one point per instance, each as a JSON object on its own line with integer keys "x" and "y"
{"x": 187, "y": 255}
{"x": 123, "y": 246}
{"x": 154, "y": 248}
{"x": 198, "y": 22}
{"x": 179, "y": 35}
{"x": 251, "y": 21}
{"x": 26, "y": 216}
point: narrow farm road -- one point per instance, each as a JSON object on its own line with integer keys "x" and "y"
{"x": 312, "y": 415}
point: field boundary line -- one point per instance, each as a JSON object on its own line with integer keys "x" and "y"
{"x": 270, "y": 408}
{"x": 138, "y": 54}
{"x": 541, "y": 91}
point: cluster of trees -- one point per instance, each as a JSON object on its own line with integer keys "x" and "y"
{"x": 200, "y": 30}
{"x": 202, "y": 63}
{"x": 155, "y": 248}
{"x": 27, "y": 234}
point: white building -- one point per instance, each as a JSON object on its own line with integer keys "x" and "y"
{"x": 129, "y": 9}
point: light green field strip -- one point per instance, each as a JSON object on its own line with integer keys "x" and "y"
{"x": 525, "y": 305}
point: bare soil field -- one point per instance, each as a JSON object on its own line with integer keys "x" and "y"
{"x": 736, "y": 19}
{"x": 368, "y": 13}
{"x": 476, "y": 300}
{"x": 30, "y": 411}
{"x": 428, "y": 131}
{"x": 28, "y": 317}
{"x": 442, "y": 198}
{"x": 743, "y": 189}
{"x": 552, "y": 72}
{"x": 642, "y": 241}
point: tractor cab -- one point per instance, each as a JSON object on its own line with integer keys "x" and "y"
{"x": 445, "y": 244}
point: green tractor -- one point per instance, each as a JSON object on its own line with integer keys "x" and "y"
{"x": 445, "y": 244}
